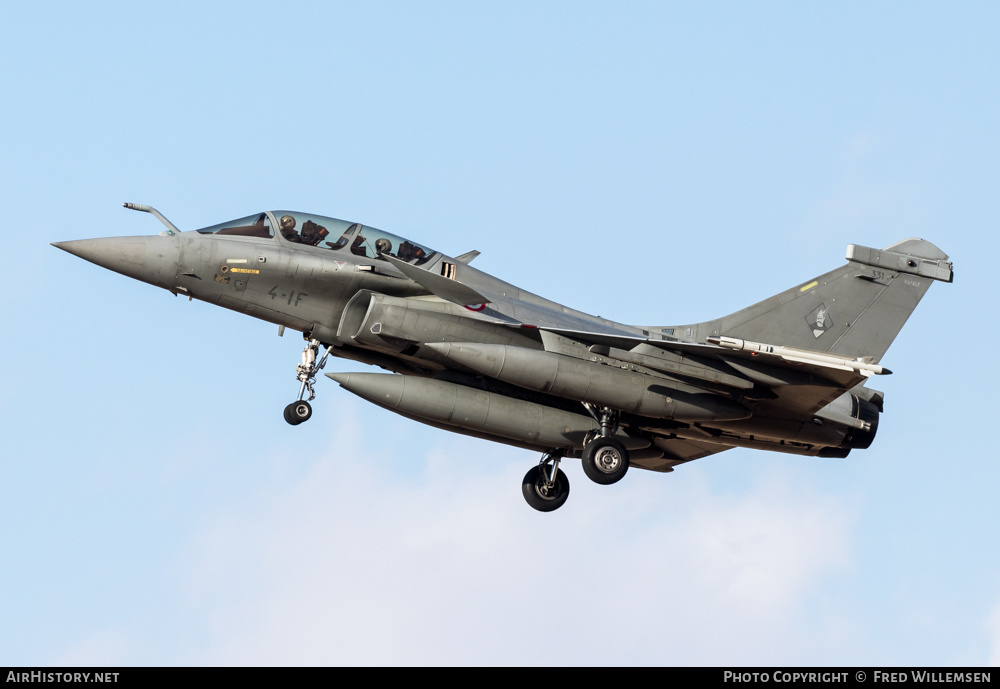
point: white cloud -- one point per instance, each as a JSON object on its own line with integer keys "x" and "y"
{"x": 354, "y": 565}
{"x": 101, "y": 647}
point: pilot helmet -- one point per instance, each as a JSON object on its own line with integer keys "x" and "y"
{"x": 383, "y": 245}
{"x": 287, "y": 224}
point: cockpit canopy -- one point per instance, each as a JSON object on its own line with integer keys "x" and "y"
{"x": 251, "y": 226}
{"x": 325, "y": 233}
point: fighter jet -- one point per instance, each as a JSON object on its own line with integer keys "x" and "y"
{"x": 472, "y": 354}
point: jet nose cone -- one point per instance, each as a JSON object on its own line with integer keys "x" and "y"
{"x": 109, "y": 252}
{"x": 150, "y": 259}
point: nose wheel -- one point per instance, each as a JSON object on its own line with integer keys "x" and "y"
{"x": 299, "y": 411}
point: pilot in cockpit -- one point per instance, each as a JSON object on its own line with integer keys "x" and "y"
{"x": 287, "y": 226}
{"x": 383, "y": 246}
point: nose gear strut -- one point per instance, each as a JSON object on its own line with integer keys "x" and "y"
{"x": 301, "y": 410}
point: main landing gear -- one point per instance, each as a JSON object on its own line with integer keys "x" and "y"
{"x": 301, "y": 410}
{"x": 545, "y": 487}
{"x": 605, "y": 461}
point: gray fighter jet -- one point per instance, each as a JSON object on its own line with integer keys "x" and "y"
{"x": 472, "y": 354}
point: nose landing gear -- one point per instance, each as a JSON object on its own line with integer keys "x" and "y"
{"x": 301, "y": 410}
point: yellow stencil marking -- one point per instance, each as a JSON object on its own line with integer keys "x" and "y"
{"x": 809, "y": 286}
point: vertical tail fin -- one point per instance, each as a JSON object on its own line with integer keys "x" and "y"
{"x": 856, "y": 310}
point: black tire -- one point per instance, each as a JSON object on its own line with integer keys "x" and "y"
{"x": 544, "y": 498}
{"x": 297, "y": 412}
{"x": 605, "y": 461}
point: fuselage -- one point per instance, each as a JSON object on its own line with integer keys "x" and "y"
{"x": 381, "y": 299}
{"x": 473, "y": 354}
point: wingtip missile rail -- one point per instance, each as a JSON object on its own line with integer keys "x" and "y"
{"x": 804, "y": 356}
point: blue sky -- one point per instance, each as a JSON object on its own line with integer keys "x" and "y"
{"x": 647, "y": 162}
